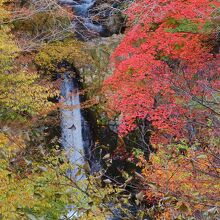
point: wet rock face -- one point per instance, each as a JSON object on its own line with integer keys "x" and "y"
{"x": 115, "y": 24}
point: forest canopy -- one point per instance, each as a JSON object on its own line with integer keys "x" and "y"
{"x": 139, "y": 79}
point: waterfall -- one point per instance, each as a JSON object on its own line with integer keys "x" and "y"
{"x": 81, "y": 9}
{"x": 71, "y": 126}
{"x": 76, "y": 138}
{"x": 75, "y": 132}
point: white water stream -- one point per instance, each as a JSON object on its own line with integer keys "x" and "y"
{"x": 75, "y": 133}
{"x": 76, "y": 138}
{"x": 71, "y": 126}
{"x": 81, "y": 8}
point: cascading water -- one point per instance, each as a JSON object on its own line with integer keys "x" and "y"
{"x": 81, "y": 9}
{"x": 76, "y": 138}
{"x": 71, "y": 125}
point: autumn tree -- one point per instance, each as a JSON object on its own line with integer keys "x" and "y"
{"x": 165, "y": 68}
{"x": 21, "y": 92}
{"x": 33, "y": 176}
{"x": 165, "y": 88}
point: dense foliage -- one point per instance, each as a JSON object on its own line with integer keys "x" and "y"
{"x": 166, "y": 67}
{"x": 166, "y": 74}
{"x": 153, "y": 99}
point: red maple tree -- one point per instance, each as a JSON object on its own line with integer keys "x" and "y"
{"x": 166, "y": 67}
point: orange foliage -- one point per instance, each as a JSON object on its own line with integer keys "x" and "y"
{"x": 182, "y": 180}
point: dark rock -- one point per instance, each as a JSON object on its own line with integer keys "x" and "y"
{"x": 115, "y": 24}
